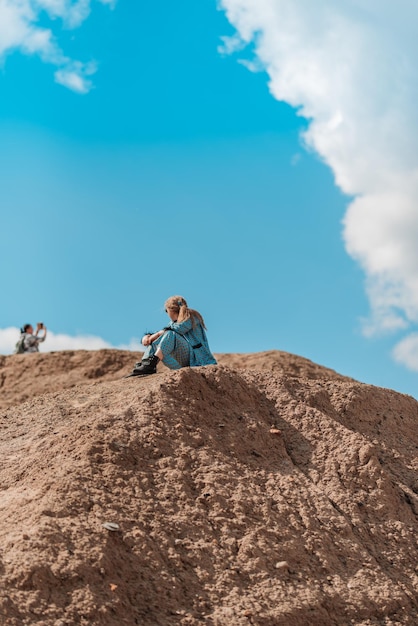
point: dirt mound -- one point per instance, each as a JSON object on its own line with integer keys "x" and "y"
{"x": 24, "y": 376}
{"x": 239, "y": 497}
{"x": 280, "y": 363}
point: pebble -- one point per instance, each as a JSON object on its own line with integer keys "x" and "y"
{"x": 111, "y": 526}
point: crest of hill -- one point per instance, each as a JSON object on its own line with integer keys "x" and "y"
{"x": 241, "y": 496}
{"x": 23, "y": 376}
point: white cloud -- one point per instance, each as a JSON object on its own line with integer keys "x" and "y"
{"x": 56, "y": 341}
{"x": 349, "y": 67}
{"x": 72, "y": 13}
{"x": 73, "y": 81}
{"x": 406, "y": 352}
{"x": 20, "y": 30}
{"x": 296, "y": 158}
{"x": 231, "y": 44}
{"x": 74, "y": 76}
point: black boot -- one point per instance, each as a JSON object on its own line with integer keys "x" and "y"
{"x": 146, "y": 367}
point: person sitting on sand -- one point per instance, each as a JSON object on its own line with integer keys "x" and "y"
{"x": 183, "y": 343}
{"x": 31, "y": 340}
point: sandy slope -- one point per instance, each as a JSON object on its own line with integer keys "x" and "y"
{"x": 24, "y": 376}
{"x": 263, "y": 491}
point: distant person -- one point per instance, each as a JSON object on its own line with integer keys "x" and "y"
{"x": 183, "y": 343}
{"x": 29, "y": 340}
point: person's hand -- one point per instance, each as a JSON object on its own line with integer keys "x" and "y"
{"x": 146, "y": 340}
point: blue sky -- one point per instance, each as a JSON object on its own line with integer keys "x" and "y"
{"x": 214, "y": 151}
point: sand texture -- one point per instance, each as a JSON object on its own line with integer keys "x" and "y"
{"x": 263, "y": 491}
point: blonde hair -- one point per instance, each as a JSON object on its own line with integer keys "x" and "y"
{"x": 179, "y": 305}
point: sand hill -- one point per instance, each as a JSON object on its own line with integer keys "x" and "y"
{"x": 264, "y": 491}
